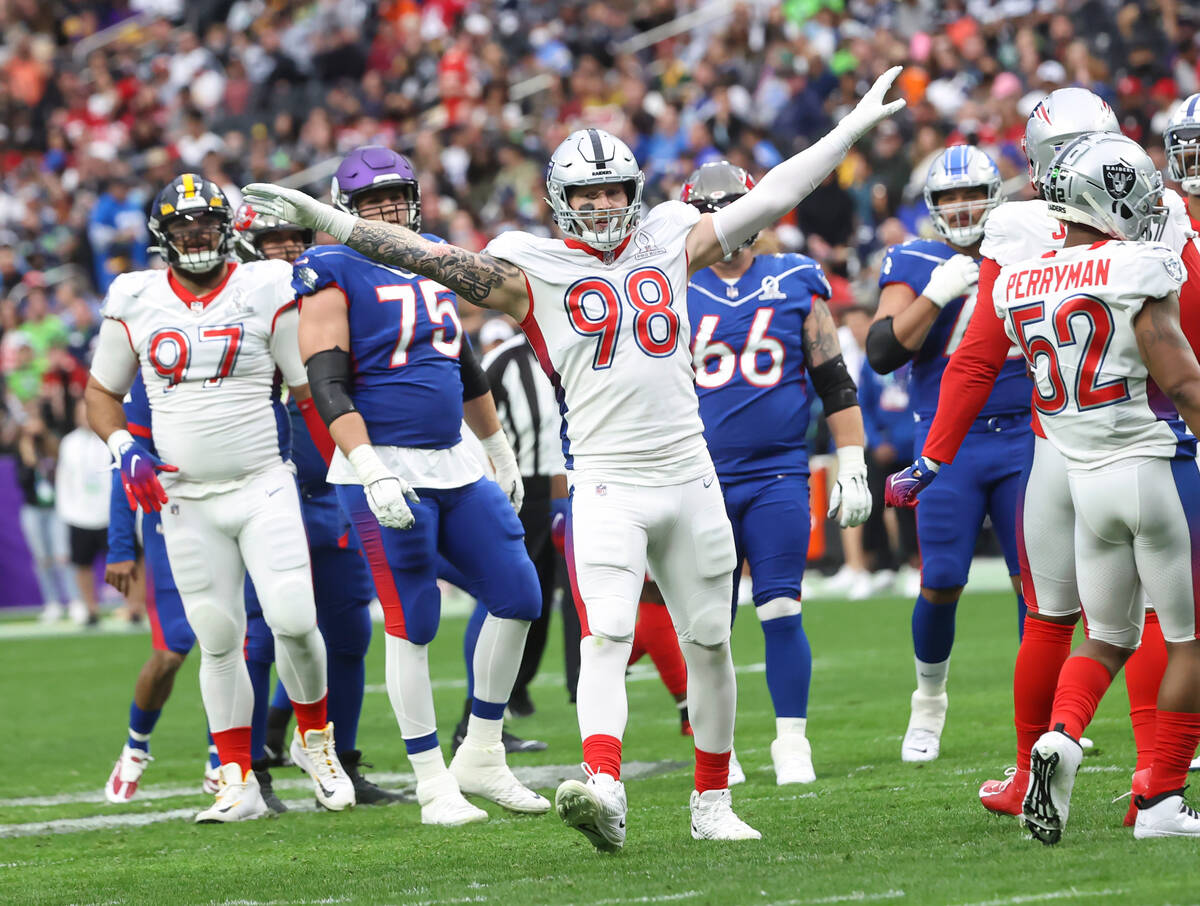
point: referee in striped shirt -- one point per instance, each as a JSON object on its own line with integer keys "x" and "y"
{"x": 530, "y": 416}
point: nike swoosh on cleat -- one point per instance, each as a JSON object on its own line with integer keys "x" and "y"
{"x": 326, "y": 793}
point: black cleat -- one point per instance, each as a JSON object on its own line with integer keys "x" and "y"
{"x": 275, "y": 744}
{"x": 513, "y": 744}
{"x": 520, "y": 704}
{"x": 274, "y": 803}
{"x": 366, "y": 792}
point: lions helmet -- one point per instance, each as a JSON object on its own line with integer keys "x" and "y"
{"x": 1182, "y": 139}
{"x": 1107, "y": 182}
{"x": 188, "y": 197}
{"x": 370, "y": 167}
{"x": 589, "y": 157}
{"x": 961, "y": 167}
{"x": 249, "y": 227}
{"x": 1059, "y": 117}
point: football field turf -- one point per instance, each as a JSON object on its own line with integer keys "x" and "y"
{"x": 871, "y": 829}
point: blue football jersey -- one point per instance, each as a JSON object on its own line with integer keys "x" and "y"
{"x": 405, "y": 338}
{"x": 748, "y": 349}
{"x": 911, "y": 263}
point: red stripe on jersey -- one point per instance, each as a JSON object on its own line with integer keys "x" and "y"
{"x": 538, "y": 342}
{"x": 128, "y": 335}
{"x": 187, "y": 296}
{"x": 138, "y": 430}
{"x": 584, "y": 247}
{"x": 286, "y": 307}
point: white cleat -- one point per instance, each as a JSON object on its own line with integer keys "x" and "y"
{"x": 315, "y": 755}
{"x": 238, "y": 799}
{"x": 482, "y": 771}
{"x": 713, "y": 818}
{"x": 1166, "y": 815}
{"x": 126, "y": 774}
{"x": 442, "y": 802}
{"x": 1054, "y": 763}
{"x": 736, "y": 773}
{"x": 792, "y": 755}
{"x": 596, "y": 809}
{"x": 923, "y": 738}
{"x": 212, "y": 773}
{"x": 1195, "y": 765}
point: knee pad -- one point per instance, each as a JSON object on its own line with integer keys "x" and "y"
{"x": 611, "y": 618}
{"x": 217, "y": 629}
{"x": 521, "y": 599}
{"x": 777, "y": 608}
{"x": 288, "y": 604}
{"x": 416, "y": 619}
{"x": 708, "y": 623}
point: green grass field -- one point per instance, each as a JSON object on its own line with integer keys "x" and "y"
{"x": 870, "y": 830}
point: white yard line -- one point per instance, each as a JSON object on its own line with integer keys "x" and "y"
{"x": 1070, "y": 893}
{"x": 855, "y": 896}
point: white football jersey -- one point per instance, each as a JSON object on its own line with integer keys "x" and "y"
{"x": 1072, "y": 314}
{"x": 209, "y": 369}
{"x": 613, "y": 338}
{"x": 1017, "y": 230}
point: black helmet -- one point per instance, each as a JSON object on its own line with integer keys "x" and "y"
{"x": 189, "y": 196}
{"x": 249, "y": 227}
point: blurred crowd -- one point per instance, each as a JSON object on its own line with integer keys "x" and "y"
{"x": 102, "y": 103}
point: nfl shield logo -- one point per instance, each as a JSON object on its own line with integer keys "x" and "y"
{"x": 601, "y": 490}
{"x": 1118, "y": 179}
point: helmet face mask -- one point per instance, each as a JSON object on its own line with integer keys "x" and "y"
{"x": 1109, "y": 183}
{"x": 361, "y": 176}
{"x": 593, "y": 157}
{"x": 395, "y": 203}
{"x": 714, "y": 185}
{"x": 961, "y": 189}
{"x": 191, "y": 224}
{"x": 1182, "y": 141}
{"x": 1058, "y": 119}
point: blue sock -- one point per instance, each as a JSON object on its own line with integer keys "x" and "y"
{"x": 470, "y": 639}
{"x": 141, "y": 725}
{"x": 280, "y": 699}
{"x": 933, "y": 630}
{"x": 789, "y": 665}
{"x": 419, "y": 744}
{"x": 1021, "y": 611}
{"x": 347, "y": 639}
{"x": 214, "y": 760}
{"x": 260, "y": 682}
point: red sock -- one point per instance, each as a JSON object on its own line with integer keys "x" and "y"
{"x": 233, "y": 747}
{"x": 602, "y": 753}
{"x": 310, "y": 716}
{"x": 1081, "y": 685}
{"x": 655, "y": 634}
{"x": 1143, "y": 674}
{"x": 1174, "y": 746}
{"x": 712, "y": 770}
{"x": 1044, "y": 648}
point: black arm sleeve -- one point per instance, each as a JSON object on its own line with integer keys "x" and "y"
{"x": 474, "y": 381}
{"x": 329, "y": 382}
{"x": 884, "y": 351}
{"x": 834, "y": 385}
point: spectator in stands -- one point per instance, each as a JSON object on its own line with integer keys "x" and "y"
{"x": 83, "y": 481}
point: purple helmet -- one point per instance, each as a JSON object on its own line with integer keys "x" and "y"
{"x": 373, "y": 166}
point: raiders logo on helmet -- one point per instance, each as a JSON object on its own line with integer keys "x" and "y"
{"x": 1118, "y": 179}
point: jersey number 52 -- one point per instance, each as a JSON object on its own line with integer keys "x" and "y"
{"x": 594, "y": 309}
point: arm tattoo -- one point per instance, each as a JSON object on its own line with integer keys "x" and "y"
{"x": 471, "y": 276}
{"x": 1163, "y": 326}
{"x": 820, "y": 336}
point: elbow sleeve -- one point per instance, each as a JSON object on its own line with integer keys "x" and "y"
{"x": 329, "y": 383}
{"x": 885, "y": 353}
{"x": 474, "y": 380}
{"x": 834, "y": 385}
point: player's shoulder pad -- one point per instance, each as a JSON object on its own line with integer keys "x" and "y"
{"x": 1152, "y": 269}
{"x": 320, "y": 266}
{"x": 674, "y": 212}
{"x": 518, "y": 247}
{"x": 911, "y": 262}
{"x": 1016, "y": 230}
{"x": 266, "y": 271}
{"x": 125, "y": 290}
{"x": 799, "y": 273}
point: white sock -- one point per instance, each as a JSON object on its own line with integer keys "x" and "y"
{"x": 712, "y": 692}
{"x": 408, "y": 688}
{"x": 788, "y": 726}
{"x": 484, "y": 732}
{"x": 601, "y": 703}
{"x": 498, "y": 657}
{"x": 931, "y": 678}
{"x": 428, "y": 765}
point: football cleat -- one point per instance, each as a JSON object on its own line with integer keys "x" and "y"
{"x": 923, "y": 738}
{"x": 596, "y": 809}
{"x": 1195, "y": 765}
{"x": 482, "y": 771}
{"x": 316, "y": 757}
{"x": 520, "y": 704}
{"x": 713, "y": 818}
{"x": 443, "y": 803}
{"x": 267, "y": 788}
{"x": 126, "y": 774}
{"x": 238, "y": 798}
{"x": 1165, "y": 815}
{"x": 792, "y": 755}
{"x": 366, "y": 792}
{"x": 1054, "y": 763}
{"x": 1138, "y": 788}
{"x": 737, "y": 773}
{"x": 1004, "y": 797}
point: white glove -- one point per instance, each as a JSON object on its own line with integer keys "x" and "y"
{"x": 508, "y": 476}
{"x": 951, "y": 279}
{"x": 851, "y": 498}
{"x": 293, "y": 206}
{"x": 871, "y": 109}
{"x": 385, "y": 491}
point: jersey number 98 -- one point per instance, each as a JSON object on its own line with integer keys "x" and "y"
{"x": 594, "y": 309}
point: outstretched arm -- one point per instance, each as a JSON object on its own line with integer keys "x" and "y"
{"x": 480, "y": 279}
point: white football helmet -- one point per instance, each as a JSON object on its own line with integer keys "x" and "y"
{"x": 1107, "y": 182}
{"x": 1182, "y": 138}
{"x": 961, "y": 167}
{"x": 1059, "y": 117}
{"x": 591, "y": 157}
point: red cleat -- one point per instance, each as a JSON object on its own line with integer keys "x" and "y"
{"x": 1004, "y": 797}
{"x": 1138, "y": 787}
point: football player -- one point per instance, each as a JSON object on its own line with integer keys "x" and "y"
{"x": 926, "y": 299}
{"x": 605, "y": 309}
{"x": 1098, "y": 323}
{"x": 762, "y": 328}
{"x": 1182, "y": 140}
{"x": 207, "y": 336}
{"x": 390, "y": 367}
{"x": 341, "y": 583}
{"x": 1045, "y": 515}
